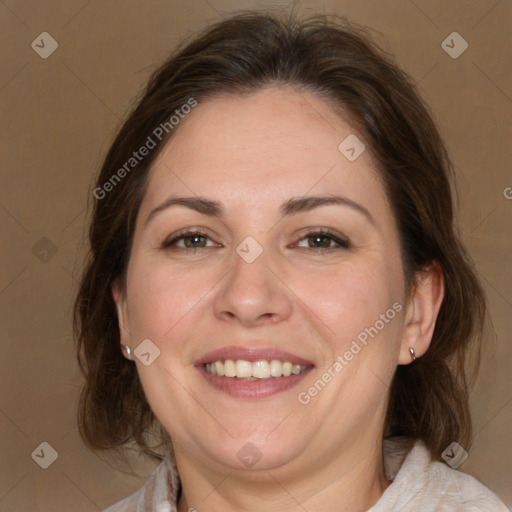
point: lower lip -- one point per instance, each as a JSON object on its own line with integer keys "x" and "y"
{"x": 260, "y": 388}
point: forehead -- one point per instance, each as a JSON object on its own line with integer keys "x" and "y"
{"x": 274, "y": 144}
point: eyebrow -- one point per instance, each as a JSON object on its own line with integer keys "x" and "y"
{"x": 199, "y": 204}
{"x": 291, "y": 207}
{"x": 305, "y": 204}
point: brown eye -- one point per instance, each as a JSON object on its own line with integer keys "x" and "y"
{"x": 321, "y": 240}
{"x": 189, "y": 240}
{"x": 194, "y": 241}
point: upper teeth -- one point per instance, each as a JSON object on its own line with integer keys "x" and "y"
{"x": 257, "y": 369}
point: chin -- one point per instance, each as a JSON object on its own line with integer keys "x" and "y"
{"x": 252, "y": 452}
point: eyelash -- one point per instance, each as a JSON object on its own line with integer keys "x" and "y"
{"x": 170, "y": 243}
{"x": 342, "y": 243}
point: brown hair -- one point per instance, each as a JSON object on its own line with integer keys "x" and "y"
{"x": 334, "y": 59}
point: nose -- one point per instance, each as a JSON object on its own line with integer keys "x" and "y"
{"x": 253, "y": 295}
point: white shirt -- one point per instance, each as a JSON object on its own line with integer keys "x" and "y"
{"x": 418, "y": 485}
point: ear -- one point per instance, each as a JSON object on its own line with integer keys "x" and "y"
{"x": 119, "y": 296}
{"x": 421, "y": 312}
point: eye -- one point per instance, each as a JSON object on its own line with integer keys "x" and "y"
{"x": 189, "y": 240}
{"x": 322, "y": 240}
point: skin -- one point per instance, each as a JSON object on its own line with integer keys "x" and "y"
{"x": 252, "y": 154}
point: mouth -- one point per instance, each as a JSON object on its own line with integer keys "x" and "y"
{"x": 247, "y": 370}
{"x": 252, "y": 373}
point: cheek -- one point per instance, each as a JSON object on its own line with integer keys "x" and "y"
{"x": 362, "y": 306}
{"x": 161, "y": 297}
{"x": 352, "y": 298}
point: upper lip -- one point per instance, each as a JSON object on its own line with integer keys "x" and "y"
{"x": 251, "y": 354}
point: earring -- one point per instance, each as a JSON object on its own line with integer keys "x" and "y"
{"x": 127, "y": 352}
{"x": 413, "y": 353}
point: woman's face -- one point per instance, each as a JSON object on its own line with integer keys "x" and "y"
{"x": 260, "y": 241}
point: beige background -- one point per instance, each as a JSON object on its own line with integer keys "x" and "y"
{"x": 59, "y": 116}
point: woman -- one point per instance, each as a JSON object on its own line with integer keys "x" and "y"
{"x": 275, "y": 283}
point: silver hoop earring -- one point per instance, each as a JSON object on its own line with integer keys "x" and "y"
{"x": 127, "y": 352}
{"x": 413, "y": 353}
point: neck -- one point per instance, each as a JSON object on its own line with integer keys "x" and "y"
{"x": 352, "y": 482}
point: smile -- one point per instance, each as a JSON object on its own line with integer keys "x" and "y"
{"x": 256, "y": 370}
{"x": 252, "y": 372}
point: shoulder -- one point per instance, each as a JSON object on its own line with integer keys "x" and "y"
{"x": 158, "y": 493}
{"x": 462, "y": 489}
{"x": 420, "y": 484}
{"x": 126, "y": 505}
